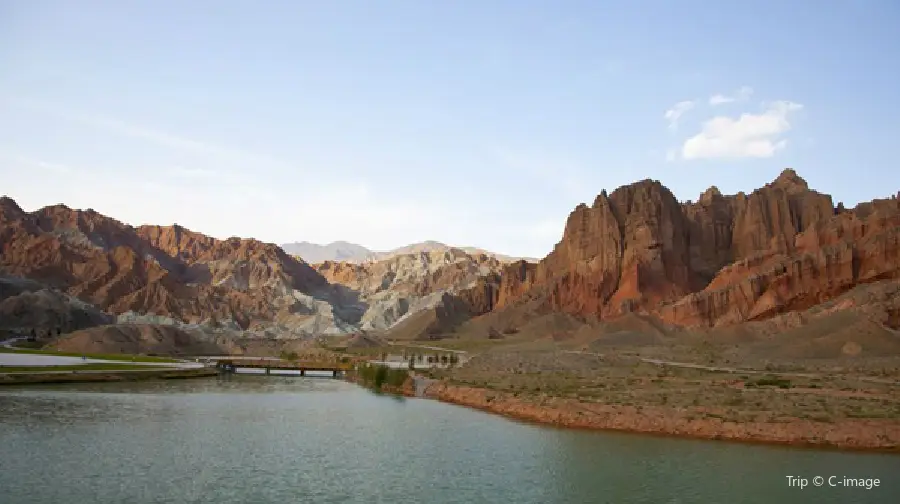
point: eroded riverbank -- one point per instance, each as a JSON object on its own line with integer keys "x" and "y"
{"x": 850, "y": 434}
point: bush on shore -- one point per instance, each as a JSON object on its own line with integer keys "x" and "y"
{"x": 377, "y": 376}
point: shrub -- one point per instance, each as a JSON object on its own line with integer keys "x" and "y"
{"x": 376, "y": 376}
{"x": 770, "y": 381}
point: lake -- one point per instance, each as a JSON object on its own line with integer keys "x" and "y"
{"x": 258, "y": 439}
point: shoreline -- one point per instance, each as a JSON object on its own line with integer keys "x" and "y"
{"x": 865, "y": 435}
{"x": 37, "y": 377}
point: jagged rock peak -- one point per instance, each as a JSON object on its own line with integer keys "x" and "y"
{"x": 789, "y": 179}
{"x": 601, "y": 198}
{"x": 710, "y": 194}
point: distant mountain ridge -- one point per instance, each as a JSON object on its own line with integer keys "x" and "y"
{"x": 342, "y": 251}
{"x": 336, "y": 251}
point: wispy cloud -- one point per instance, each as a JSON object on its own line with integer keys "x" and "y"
{"x": 742, "y": 94}
{"x": 747, "y": 136}
{"x": 30, "y": 162}
{"x": 679, "y": 109}
{"x": 129, "y": 129}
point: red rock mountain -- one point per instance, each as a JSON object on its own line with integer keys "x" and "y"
{"x": 169, "y": 271}
{"x": 718, "y": 261}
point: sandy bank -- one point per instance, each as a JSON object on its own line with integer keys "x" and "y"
{"x": 104, "y": 376}
{"x": 851, "y": 433}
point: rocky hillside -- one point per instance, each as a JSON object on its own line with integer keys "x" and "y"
{"x": 26, "y": 306}
{"x": 146, "y": 339}
{"x": 722, "y": 260}
{"x": 66, "y": 269}
{"x": 170, "y": 272}
{"x": 396, "y": 288}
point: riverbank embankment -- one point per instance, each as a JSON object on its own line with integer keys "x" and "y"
{"x": 851, "y": 434}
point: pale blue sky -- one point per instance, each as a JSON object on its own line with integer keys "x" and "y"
{"x": 471, "y": 122}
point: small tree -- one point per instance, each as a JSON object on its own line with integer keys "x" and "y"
{"x": 383, "y": 356}
{"x": 412, "y": 363}
{"x": 444, "y": 359}
{"x": 420, "y": 357}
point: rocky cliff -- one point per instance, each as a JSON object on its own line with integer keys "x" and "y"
{"x": 721, "y": 260}
{"x": 168, "y": 271}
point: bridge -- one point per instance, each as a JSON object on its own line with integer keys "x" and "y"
{"x": 232, "y": 364}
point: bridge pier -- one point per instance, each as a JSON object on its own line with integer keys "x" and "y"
{"x": 302, "y": 372}
{"x": 268, "y": 370}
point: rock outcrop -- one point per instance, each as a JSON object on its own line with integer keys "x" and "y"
{"x": 718, "y": 261}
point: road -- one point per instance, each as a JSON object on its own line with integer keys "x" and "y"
{"x": 93, "y": 371}
{"x": 426, "y": 347}
{"x": 724, "y": 369}
{"x": 29, "y": 359}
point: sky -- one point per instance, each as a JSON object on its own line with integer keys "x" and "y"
{"x": 473, "y": 122}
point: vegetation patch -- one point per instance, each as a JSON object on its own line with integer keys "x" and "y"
{"x": 378, "y": 377}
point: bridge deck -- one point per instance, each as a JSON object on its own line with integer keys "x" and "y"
{"x": 288, "y": 365}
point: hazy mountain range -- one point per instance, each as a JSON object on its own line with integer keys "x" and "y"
{"x": 314, "y": 253}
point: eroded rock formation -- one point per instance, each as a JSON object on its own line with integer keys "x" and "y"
{"x": 720, "y": 260}
{"x": 450, "y": 282}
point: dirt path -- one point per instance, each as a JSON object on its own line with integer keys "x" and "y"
{"x": 426, "y": 347}
{"x": 733, "y": 370}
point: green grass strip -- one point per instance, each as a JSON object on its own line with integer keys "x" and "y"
{"x": 79, "y": 367}
{"x": 121, "y": 357}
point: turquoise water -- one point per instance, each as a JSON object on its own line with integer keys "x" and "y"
{"x": 248, "y": 439}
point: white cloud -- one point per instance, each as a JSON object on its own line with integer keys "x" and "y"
{"x": 719, "y": 99}
{"x": 679, "y": 109}
{"x": 750, "y": 135}
{"x": 742, "y": 94}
